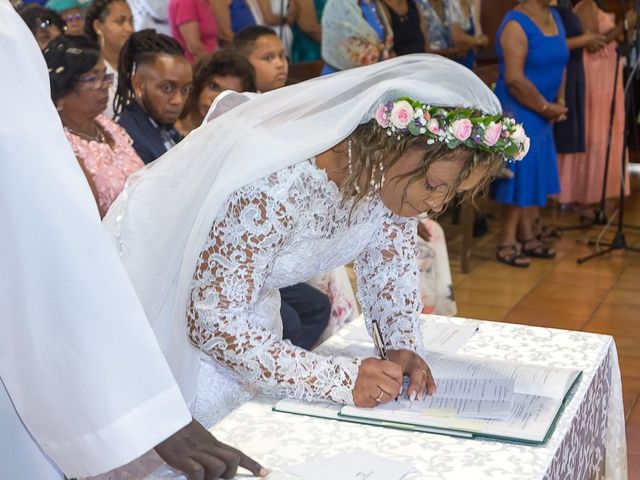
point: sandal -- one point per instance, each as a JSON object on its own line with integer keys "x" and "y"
{"x": 546, "y": 233}
{"x": 538, "y": 250}
{"x": 510, "y": 255}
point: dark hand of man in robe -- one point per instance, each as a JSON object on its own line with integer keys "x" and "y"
{"x": 196, "y": 453}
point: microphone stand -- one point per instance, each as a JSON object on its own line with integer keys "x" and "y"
{"x": 619, "y": 241}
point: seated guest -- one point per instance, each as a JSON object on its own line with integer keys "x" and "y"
{"x": 262, "y": 47}
{"x": 305, "y": 313}
{"x": 45, "y": 24}
{"x": 436, "y": 284}
{"x": 234, "y": 16}
{"x": 110, "y": 23}
{"x": 223, "y": 70}
{"x": 154, "y": 83}
{"x": 194, "y": 26}
{"x": 71, "y": 13}
{"x": 437, "y": 22}
{"x": 408, "y": 26}
{"x": 79, "y": 90}
{"x": 304, "y": 18}
{"x": 466, "y": 30}
{"x": 355, "y": 33}
{"x": 336, "y": 285}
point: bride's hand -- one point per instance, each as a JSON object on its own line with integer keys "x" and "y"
{"x": 421, "y": 381}
{"x": 379, "y": 381}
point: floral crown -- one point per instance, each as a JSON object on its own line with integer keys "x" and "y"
{"x": 455, "y": 127}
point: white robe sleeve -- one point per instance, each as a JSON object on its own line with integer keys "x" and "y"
{"x": 77, "y": 356}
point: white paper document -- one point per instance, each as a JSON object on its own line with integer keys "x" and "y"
{"x": 444, "y": 337}
{"x": 439, "y": 336}
{"x": 485, "y": 399}
{"x": 353, "y": 466}
{"x": 529, "y": 379}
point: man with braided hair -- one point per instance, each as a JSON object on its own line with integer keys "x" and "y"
{"x": 154, "y": 81}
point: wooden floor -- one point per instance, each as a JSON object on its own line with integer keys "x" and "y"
{"x": 602, "y": 295}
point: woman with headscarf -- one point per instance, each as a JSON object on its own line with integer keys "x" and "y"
{"x": 355, "y": 33}
{"x": 282, "y": 186}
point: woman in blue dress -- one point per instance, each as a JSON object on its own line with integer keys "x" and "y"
{"x": 532, "y": 52}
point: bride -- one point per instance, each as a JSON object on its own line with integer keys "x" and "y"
{"x": 286, "y": 185}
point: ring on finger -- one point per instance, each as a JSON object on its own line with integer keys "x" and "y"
{"x": 378, "y": 399}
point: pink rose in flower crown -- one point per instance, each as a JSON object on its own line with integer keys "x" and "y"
{"x": 381, "y": 116}
{"x": 461, "y": 129}
{"x": 492, "y": 134}
{"x": 401, "y": 114}
{"x": 433, "y": 126}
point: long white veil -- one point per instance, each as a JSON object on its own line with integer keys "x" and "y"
{"x": 161, "y": 220}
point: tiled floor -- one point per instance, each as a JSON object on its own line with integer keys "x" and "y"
{"x": 602, "y": 296}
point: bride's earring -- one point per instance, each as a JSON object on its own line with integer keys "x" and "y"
{"x": 382, "y": 177}
{"x": 350, "y": 165}
{"x": 377, "y": 179}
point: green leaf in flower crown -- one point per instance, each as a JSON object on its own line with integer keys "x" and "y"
{"x": 413, "y": 129}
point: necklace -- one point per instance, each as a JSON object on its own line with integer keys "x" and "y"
{"x": 98, "y": 137}
{"x": 544, "y": 14}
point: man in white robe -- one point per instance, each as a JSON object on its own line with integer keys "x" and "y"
{"x": 84, "y": 387}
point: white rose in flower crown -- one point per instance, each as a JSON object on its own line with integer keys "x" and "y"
{"x": 518, "y": 135}
{"x": 525, "y": 149}
{"x": 401, "y": 114}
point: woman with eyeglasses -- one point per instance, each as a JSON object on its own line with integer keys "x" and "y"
{"x": 71, "y": 13}
{"x": 45, "y": 24}
{"x": 80, "y": 91}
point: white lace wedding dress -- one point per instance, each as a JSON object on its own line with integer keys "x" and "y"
{"x": 278, "y": 231}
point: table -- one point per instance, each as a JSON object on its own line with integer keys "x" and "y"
{"x": 588, "y": 443}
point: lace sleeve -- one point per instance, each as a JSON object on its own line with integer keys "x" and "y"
{"x": 229, "y": 275}
{"x": 388, "y": 284}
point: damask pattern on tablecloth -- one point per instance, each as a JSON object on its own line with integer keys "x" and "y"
{"x": 581, "y": 455}
{"x": 593, "y": 415}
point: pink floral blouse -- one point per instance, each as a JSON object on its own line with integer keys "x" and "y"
{"x": 108, "y": 168}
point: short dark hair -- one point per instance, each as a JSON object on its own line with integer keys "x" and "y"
{"x": 141, "y": 48}
{"x": 34, "y": 16}
{"x": 222, "y": 63}
{"x": 98, "y": 10}
{"x": 69, "y": 57}
{"x": 245, "y": 39}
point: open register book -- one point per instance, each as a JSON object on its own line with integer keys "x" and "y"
{"x": 476, "y": 398}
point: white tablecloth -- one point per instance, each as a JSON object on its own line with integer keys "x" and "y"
{"x": 588, "y": 442}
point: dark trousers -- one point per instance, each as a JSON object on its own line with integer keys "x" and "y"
{"x": 305, "y": 314}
